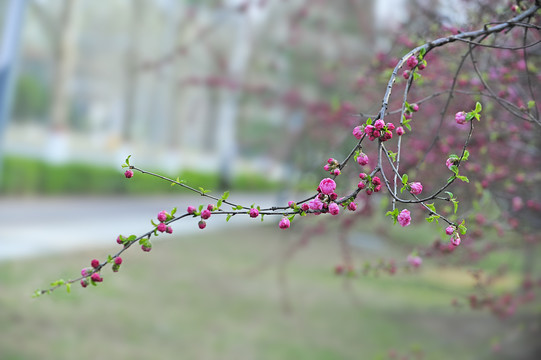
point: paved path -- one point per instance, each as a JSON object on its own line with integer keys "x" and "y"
{"x": 37, "y": 226}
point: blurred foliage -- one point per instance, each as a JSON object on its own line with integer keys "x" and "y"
{"x": 32, "y": 176}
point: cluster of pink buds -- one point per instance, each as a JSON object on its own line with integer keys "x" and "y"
{"x": 332, "y": 166}
{"x": 379, "y": 130}
{"x": 371, "y": 184}
{"x": 455, "y": 237}
{"x": 162, "y": 218}
{"x": 412, "y": 63}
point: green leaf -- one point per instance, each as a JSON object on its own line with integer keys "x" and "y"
{"x": 405, "y": 179}
{"x": 228, "y": 217}
{"x": 454, "y": 169}
{"x": 531, "y": 104}
{"x": 219, "y": 203}
{"x": 369, "y": 121}
{"x": 109, "y": 259}
{"x": 463, "y": 178}
{"x": 173, "y": 211}
{"x": 431, "y": 207}
{"x": 291, "y": 217}
{"x": 68, "y": 287}
{"x": 225, "y": 195}
{"x": 200, "y": 208}
{"x": 262, "y": 217}
{"x": 455, "y": 203}
{"x": 416, "y": 75}
{"x": 422, "y": 52}
{"x": 392, "y": 155}
{"x": 478, "y": 107}
{"x": 466, "y": 155}
{"x": 132, "y": 237}
{"x": 432, "y": 218}
{"x": 408, "y": 126}
{"x": 128, "y": 160}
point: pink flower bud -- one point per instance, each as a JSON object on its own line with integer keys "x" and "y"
{"x": 118, "y": 240}
{"x": 169, "y": 230}
{"x": 95, "y": 263}
{"x": 291, "y": 204}
{"x": 284, "y": 223}
{"x": 390, "y": 126}
{"x": 336, "y": 172}
{"x": 86, "y": 271}
{"x": 202, "y": 224}
{"x": 455, "y": 240}
{"x": 416, "y": 188}
{"x": 210, "y": 207}
{"x": 400, "y": 131}
{"x": 377, "y": 188}
{"x": 352, "y": 206}
{"x": 118, "y": 260}
{"x": 412, "y": 62}
{"x": 327, "y": 186}
{"x": 449, "y": 230}
{"x": 334, "y": 209}
{"x": 84, "y": 283}
{"x": 406, "y": 74}
{"x": 162, "y": 216}
{"x": 376, "y": 133}
{"x": 330, "y": 161}
{"x": 415, "y": 261}
{"x": 358, "y": 132}
{"x": 96, "y": 277}
{"x": 326, "y": 167}
{"x": 362, "y": 159}
{"x": 361, "y": 185}
{"x": 460, "y": 117}
{"x": 369, "y": 191}
{"x": 379, "y": 124}
{"x": 362, "y": 176}
{"x": 190, "y": 210}
{"x": 368, "y": 129}
{"x": 205, "y": 214}
{"x": 305, "y": 207}
{"x": 376, "y": 180}
{"x": 128, "y": 174}
{"x": 146, "y": 248}
{"x": 254, "y": 213}
{"x": 404, "y": 218}
{"x": 415, "y": 107}
{"x": 161, "y": 227}
{"x": 333, "y": 196}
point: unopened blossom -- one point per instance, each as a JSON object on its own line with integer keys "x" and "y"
{"x": 412, "y": 62}
{"x": 415, "y": 261}
{"x": 352, "y": 206}
{"x": 202, "y": 224}
{"x": 205, "y": 214}
{"x": 254, "y": 213}
{"x": 327, "y": 186}
{"x": 95, "y": 263}
{"x": 96, "y": 277}
{"x": 305, "y": 207}
{"x": 460, "y": 117}
{"x": 190, "y": 210}
{"x": 400, "y": 131}
{"x": 315, "y": 204}
{"x": 358, "y": 132}
{"x": 161, "y": 227}
{"x": 379, "y": 124}
{"x": 362, "y": 159}
{"x": 128, "y": 174}
{"x": 404, "y": 218}
{"x": 455, "y": 240}
{"x": 334, "y": 209}
{"x": 416, "y": 188}
{"x": 449, "y": 230}
{"x": 162, "y": 216}
{"x": 169, "y": 230}
{"x": 284, "y": 223}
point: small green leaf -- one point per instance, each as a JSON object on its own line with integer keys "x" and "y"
{"x": 431, "y": 207}
{"x": 200, "y": 208}
{"x": 291, "y": 217}
{"x": 173, "y": 211}
{"x": 225, "y": 195}
{"x": 463, "y": 178}
{"x": 369, "y": 121}
{"x": 405, "y": 179}
{"x": 262, "y": 217}
{"x": 454, "y": 169}
{"x": 109, "y": 259}
{"x": 68, "y": 287}
{"x": 422, "y": 52}
{"x": 219, "y": 203}
{"x": 128, "y": 160}
{"x": 478, "y": 107}
{"x": 416, "y": 75}
{"x": 228, "y": 217}
{"x": 531, "y": 104}
{"x": 408, "y": 126}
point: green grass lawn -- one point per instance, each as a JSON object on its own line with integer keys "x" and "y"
{"x": 233, "y": 296}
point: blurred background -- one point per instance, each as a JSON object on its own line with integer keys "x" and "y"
{"x": 250, "y": 96}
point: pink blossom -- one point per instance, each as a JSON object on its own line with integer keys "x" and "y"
{"x": 291, "y": 204}
{"x": 416, "y": 188}
{"x": 415, "y": 107}
{"x": 368, "y": 129}
{"x": 376, "y": 181}
{"x": 128, "y": 174}
{"x": 86, "y": 272}
{"x": 517, "y": 203}
{"x": 412, "y": 62}
{"x": 202, "y": 224}
{"x": 377, "y": 188}
{"x": 369, "y": 191}
{"x": 336, "y": 172}
{"x": 118, "y": 240}
{"x": 315, "y": 204}
{"x": 118, "y": 260}
{"x": 305, "y": 207}
{"x": 334, "y": 209}
{"x": 422, "y": 65}
{"x": 362, "y": 176}
{"x": 190, "y": 210}
{"x": 404, "y": 218}
{"x": 362, "y": 159}
{"x": 169, "y": 230}
{"x": 84, "y": 283}
{"x": 326, "y": 167}
{"x": 400, "y": 131}
{"x": 95, "y": 263}
{"x": 379, "y": 124}
{"x": 162, "y": 216}
{"x": 254, "y": 213}
{"x": 284, "y": 223}
{"x": 449, "y": 230}
{"x": 146, "y": 248}
{"x": 361, "y": 185}
{"x": 449, "y": 163}
{"x": 455, "y": 240}
{"x": 352, "y": 206}
{"x": 161, "y": 227}
{"x": 390, "y": 126}
{"x": 460, "y": 117}
{"x": 415, "y": 261}
{"x": 205, "y": 214}
{"x": 210, "y": 207}
{"x": 358, "y": 132}
{"x": 96, "y": 277}
{"x": 408, "y": 115}
{"x": 327, "y": 186}
{"x": 406, "y": 74}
